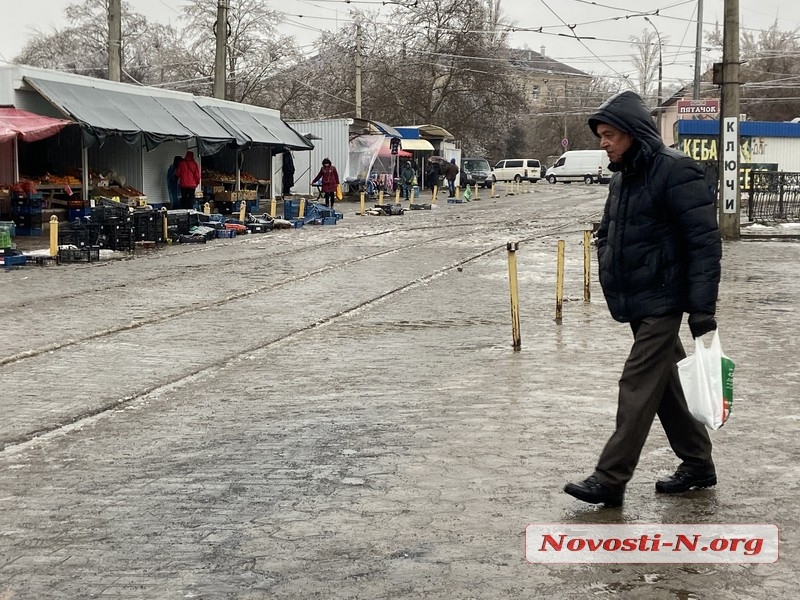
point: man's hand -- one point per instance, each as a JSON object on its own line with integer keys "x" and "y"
{"x": 701, "y": 323}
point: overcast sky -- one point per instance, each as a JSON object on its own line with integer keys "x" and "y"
{"x": 612, "y": 22}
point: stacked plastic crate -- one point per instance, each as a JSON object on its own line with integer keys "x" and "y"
{"x": 26, "y": 212}
{"x": 116, "y": 226}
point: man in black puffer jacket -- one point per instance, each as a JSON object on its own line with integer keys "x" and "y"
{"x": 659, "y": 250}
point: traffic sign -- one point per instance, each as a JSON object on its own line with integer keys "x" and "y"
{"x": 565, "y": 143}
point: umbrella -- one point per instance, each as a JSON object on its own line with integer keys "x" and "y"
{"x": 437, "y": 159}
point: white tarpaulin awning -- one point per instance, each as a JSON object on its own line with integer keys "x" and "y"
{"x": 415, "y": 144}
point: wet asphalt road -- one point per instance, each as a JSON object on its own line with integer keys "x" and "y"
{"x": 336, "y": 412}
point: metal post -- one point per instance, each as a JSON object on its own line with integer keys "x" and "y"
{"x": 512, "y": 248}
{"x": 560, "y": 281}
{"x": 660, "y": 74}
{"x": 221, "y": 32}
{"x": 358, "y": 71}
{"x": 587, "y": 266}
{"x": 698, "y": 56}
{"x": 114, "y": 40}
{"x": 165, "y": 225}
{"x": 729, "y": 174}
{"x": 54, "y": 236}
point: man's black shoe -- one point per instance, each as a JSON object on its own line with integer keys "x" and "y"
{"x": 682, "y": 481}
{"x": 594, "y": 492}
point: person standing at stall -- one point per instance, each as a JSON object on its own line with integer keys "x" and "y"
{"x": 451, "y": 172}
{"x": 173, "y": 189}
{"x": 188, "y": 173}
{"x": 328, "y": 177}
{"x": 407, "y": 176}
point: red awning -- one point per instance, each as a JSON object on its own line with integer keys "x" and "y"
{"x": 28, "y": 126}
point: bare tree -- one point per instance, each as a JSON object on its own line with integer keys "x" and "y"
{"x": 770, "y": 73}
{"x": 255, "y": 49}
{"x": 151, "y": 52}
{"x": 645, "y": 63}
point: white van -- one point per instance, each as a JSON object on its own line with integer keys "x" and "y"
{"x": 589, "y": 166}
{"x": 517, "y": 169}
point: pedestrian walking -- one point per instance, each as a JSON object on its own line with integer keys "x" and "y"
{"x": 659, "y": 250}
{"x": 173, "y": 188}
{"x": 188, "y": 174}
{"x": 451, "y": 172}
{"x": 328, "y": 177}
{"x": 407, "y": 177}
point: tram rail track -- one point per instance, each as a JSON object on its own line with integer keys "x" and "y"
{"x": 557, "y": 224}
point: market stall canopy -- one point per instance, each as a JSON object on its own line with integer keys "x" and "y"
{"x": 252, "y": 125}
{"x": 28, "y": 126}
{"x": 424, "y": 131}
{"x": 415, "y": 144}
{"x": 133, "y": 115}
{"x": 369, "y": 126}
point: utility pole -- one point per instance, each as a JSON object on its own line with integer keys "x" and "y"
{"x": 221, "y": 32}
{"x": 358, "y": 71}
{"x": 729, "y": 173}
{"x": 114, "y": 40}
{"x": 698, "y": 54}
{"x": 660, "y": 74}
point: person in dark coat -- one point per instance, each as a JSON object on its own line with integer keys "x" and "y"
{"x": 433, "y": 175}
{"x": 287, "y": 181}
{"x": 328, "y": 177}
{"x": 173, "y": 189}
{"x": 451, "y": 172}
{"x": 658, "y": 250}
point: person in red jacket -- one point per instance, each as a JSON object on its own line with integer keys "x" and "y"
{"x": 328, "y": 177}
{"x": 188, "y": 174}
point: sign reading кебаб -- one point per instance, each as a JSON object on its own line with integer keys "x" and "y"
{"x": 706, "y": 108}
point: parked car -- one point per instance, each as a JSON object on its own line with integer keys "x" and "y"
{"x": 589, "y": 166}
{"x": 475, "y": 171}
{"x": 518, "y": 169}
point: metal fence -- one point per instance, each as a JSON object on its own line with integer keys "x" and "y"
{"x": 774, "y": 197}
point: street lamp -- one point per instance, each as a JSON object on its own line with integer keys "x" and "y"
{"x": 660, "y": 66}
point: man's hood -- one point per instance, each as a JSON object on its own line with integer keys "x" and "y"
{"x": 627, "y": 112}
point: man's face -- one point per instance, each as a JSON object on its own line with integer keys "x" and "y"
{"x": 613, "y": 141}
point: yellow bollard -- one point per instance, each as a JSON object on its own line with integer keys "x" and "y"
{"x": 302, "y": 212}
{"x": 512, "y": 248}
{"x": 363, "y": 210}
{"x": 476, "y": 196}
{"x": 165, "y": 225}
{"x": 273, "y": 207}
{"x": 458, "y": 191}
{"x": 243, "y": 211}
{"x": 380, "y": 196}
{"x": 560, "y": 281}
{"x": 397, "y": 195}
{"x": 587, "y": 264}
{"x": 434, "y": 193}
{"x": 54, "y": 236}
{"x": 207, "y": 208}
{"x": 493, "y": 190}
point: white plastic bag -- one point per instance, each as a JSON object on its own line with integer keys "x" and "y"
{"x": 707, "y": 380}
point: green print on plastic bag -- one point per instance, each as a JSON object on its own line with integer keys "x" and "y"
{"x": 727, "y": 387}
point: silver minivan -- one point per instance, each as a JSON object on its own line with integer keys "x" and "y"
{"x": 517, "y": 169}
